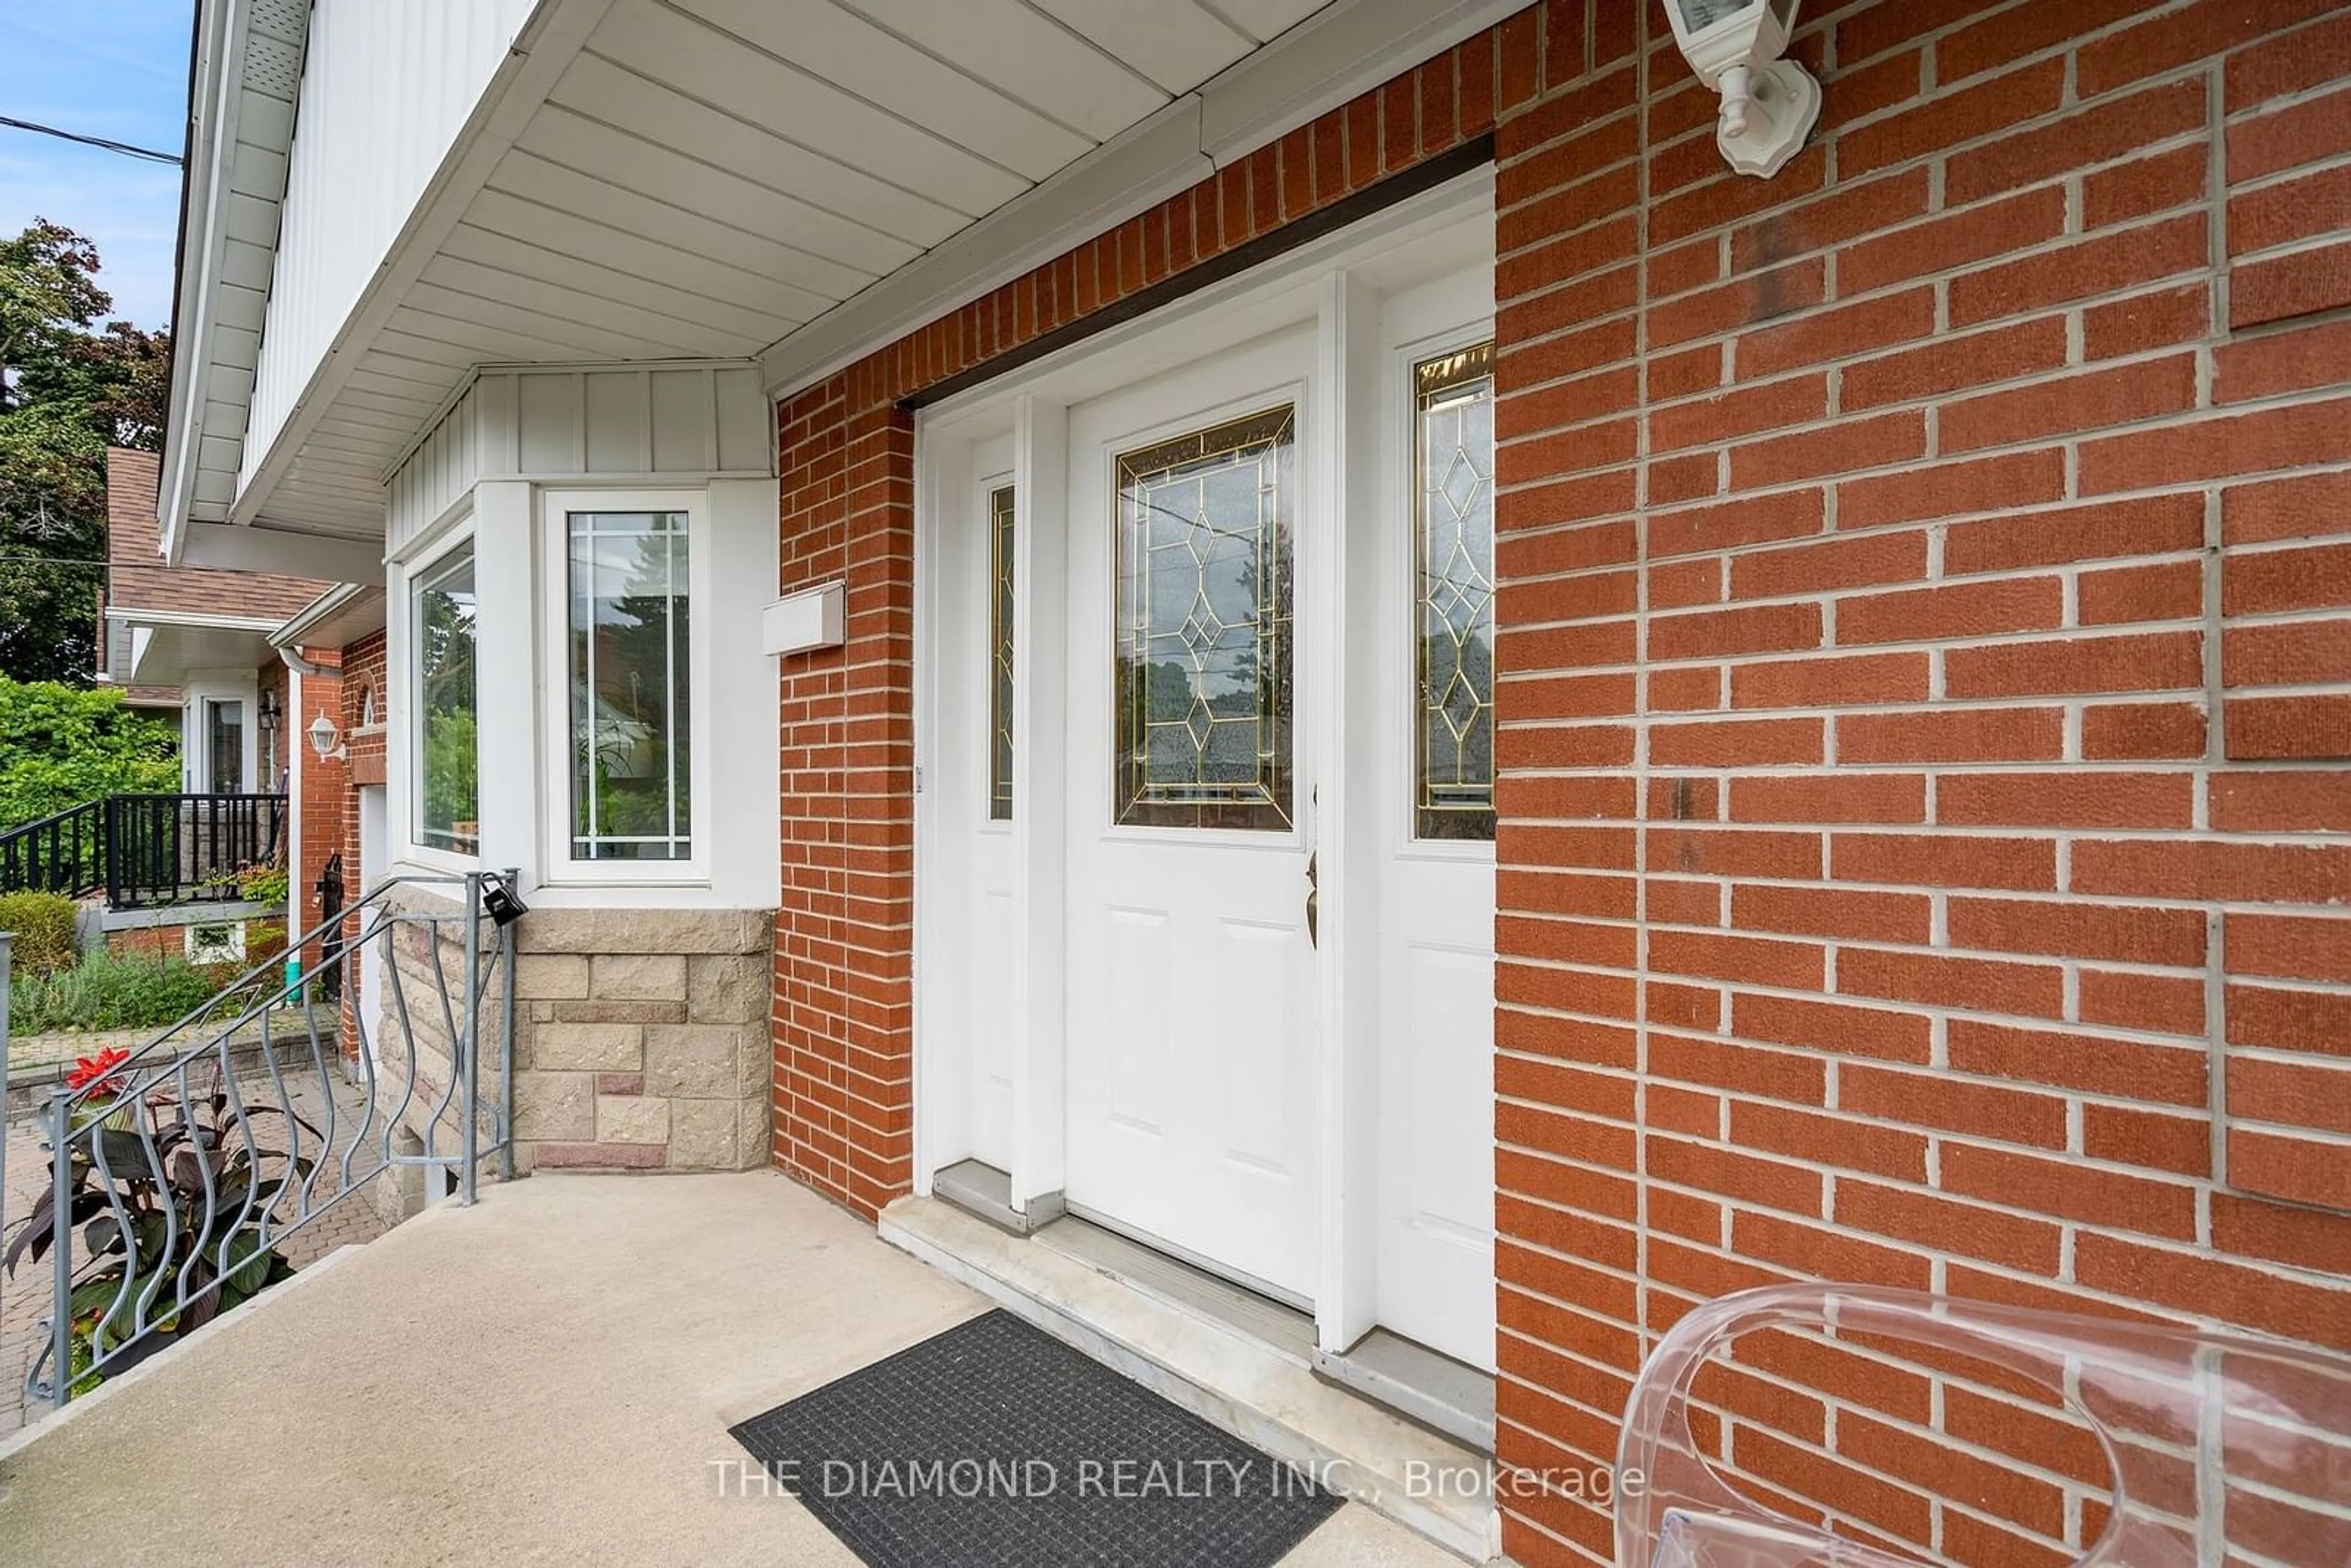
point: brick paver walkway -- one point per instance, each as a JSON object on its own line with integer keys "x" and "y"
{"x": 28, "y": 1052}
{"x": 24, "y": 1299}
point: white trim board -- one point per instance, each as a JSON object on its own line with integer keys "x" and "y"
{"x": 139, "y": 617}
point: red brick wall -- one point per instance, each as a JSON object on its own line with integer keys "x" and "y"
{"x": 325, "y": 785}
{"x": 1925, "y": 697}
{"x": 156, "y": 942}
{"x": 363, "y": 665}
{"x": 1922, "y": 622}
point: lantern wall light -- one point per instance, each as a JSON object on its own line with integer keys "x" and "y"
{"x": 1768, "y": 104}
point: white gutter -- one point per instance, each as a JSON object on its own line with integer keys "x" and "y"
{"x": 196, "y": 619}
{"x": 296, "y": 628}
{"x": 217, "y": 41}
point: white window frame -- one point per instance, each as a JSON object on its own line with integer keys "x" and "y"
{"x": 560, "y": 869}
{"x": 407, "y": 717}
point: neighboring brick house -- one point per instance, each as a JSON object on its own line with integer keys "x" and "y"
{"x": 194, "y": 642}
{"x": 195, "y": 639}
{"x": 1872, "y": 807}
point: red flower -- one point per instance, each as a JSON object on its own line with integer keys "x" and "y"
{"x": 97, "y": 1070}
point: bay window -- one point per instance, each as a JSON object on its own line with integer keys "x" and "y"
{"x": 446, "y": 731}
{"x": 623, "y": 649}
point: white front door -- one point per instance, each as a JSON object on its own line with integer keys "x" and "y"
{"x": 1193, "y": 1120}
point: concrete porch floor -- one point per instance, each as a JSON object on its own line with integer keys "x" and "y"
{"x": 546, "y": 1377}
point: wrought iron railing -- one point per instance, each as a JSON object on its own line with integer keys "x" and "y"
{"x": 65, "y": 853}
{"x": 145, "y": 850}
{"x": 178, "y": 1172}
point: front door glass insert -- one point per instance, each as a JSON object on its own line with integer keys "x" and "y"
{"x": 1204, "y": 633}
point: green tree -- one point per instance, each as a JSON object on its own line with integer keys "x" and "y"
{"x": 68, "y": 388}
{"x": 60, "y": 747}
{"x": 48, "y": 294}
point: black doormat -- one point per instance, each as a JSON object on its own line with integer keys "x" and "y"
{"x": 995, "y": 1443}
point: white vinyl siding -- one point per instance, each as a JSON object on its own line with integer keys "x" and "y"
{"x": 623, "y": 423}
{"x": 386, "y": 86}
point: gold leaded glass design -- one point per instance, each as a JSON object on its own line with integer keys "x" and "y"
{"x": 1453, "y": 789}
{"x": 999, "y": 645}
{"x": 1203, "y": 628}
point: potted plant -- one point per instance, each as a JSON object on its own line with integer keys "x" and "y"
{"x": 178, "y": 1215}
{"x": 97, "y": 1074}
{"x": 266, "y": 885}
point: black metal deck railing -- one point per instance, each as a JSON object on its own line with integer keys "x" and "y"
{"x": 145, "y": 850}
{"x": 62, "y": 854}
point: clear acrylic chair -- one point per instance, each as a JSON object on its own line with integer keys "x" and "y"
{"x": 2221, "y": 1450}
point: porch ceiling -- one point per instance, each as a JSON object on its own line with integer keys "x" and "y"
{"x": 707, "y": 176}
{"x": 172, "y": 648}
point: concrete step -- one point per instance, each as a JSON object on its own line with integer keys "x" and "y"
{"x": 1262, "y": 1392}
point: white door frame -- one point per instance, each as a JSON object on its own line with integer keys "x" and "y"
{"x": 372, "y": 802}
{"x": 1331, "y": 280}
{"x": 199, "y": 691}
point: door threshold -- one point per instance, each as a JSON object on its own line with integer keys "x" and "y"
{"x": 1452, "y": 1397}
{"x": 978, "y": 1187}
{"x": 1245, "y": 1365}
{"x": 1277, "y": 1324}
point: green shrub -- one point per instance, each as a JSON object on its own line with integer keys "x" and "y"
{"x": 108, "y": 991}
{"x": 44, "y": 926}
{"x": 60, "y": 747}
{"x": 264, "y": 885}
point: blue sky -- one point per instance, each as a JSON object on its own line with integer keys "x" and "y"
{"x": 117, "y": 69}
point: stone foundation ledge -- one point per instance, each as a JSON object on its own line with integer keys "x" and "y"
{"x": 640, "y": 1037}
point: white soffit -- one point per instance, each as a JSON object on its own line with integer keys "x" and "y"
{"x": 799, "y": 180}
{"x": 1343, "y": 51}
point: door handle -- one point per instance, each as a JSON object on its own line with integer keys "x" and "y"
{"x": 1314, "y": 898}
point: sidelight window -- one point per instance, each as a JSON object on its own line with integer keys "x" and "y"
{"x": 1453, "y": 416}
{"x": 999, "y": 643}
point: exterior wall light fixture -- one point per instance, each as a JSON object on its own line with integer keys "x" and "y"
{"x": 1768, "y": 104}
{"x": 322, "y": 734}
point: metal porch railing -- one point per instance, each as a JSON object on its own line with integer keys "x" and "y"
{"x": 176, "y": 1172}
{"x": 145, "y": 850}
{"x": 64, "y": 853}
{"x": 186, "y": 848}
